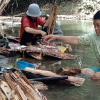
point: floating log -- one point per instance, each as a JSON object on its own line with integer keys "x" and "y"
{"x": 36, "y": 52}
{"x": 69, "y": 71}
{"x": 39, "y": 51}
{"x": 71, "y": 79}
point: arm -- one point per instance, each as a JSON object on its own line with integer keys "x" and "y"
{"x": 28, "y": 26}
{"x": 65, "y": 39}
{"x": 68, "y": 39}
{"x": 34, "y": 31}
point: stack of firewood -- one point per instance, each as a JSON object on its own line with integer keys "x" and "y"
{"x": 15, "y": 86}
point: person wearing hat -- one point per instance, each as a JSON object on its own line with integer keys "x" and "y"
{"x": 29, "y": 25}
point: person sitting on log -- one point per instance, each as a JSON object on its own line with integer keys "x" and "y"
{"x": 91, "y": 39}
{"x": 29, "y": 25}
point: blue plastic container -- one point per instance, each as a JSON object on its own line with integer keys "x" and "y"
{"x": 22, "y": 65}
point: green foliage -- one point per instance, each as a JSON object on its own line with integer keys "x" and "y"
{"x": 65, "y": 6}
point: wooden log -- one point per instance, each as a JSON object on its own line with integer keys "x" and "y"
{"x": 28, "y": 88}
{"x": 38, "y": 52}
{"x": 6, "y": 89}
{"x": 69, "y": 71}
{"x": 39, "y": 85}
{"x": 22, "y": 86}
{"x": 50, "y": 23}
{"x": 71, "y": 79}
{"x": 2, "y": 96}
{"x": 9, "y": 93}
{"x": 11, "y": 84}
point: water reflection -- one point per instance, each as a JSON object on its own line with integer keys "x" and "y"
{"x": 79, "y": 61}
{"x": 86, "y": 58}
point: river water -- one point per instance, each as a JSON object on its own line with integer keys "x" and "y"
{"x": 90, "y": 90}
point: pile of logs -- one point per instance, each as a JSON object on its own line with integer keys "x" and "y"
{"x": 15, "y": 86}
{"x": 38, "y": 51}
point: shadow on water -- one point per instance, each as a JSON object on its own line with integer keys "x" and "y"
{"x": 90, "y": 89}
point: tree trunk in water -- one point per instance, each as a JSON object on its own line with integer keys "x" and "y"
{"x": 3, "y": 4}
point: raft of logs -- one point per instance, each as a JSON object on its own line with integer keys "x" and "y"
{"x": 40, "y": 51}
{"x": 15, "y": 86}
{"x": 36, "y": 51}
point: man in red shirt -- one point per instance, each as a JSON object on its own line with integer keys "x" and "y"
{"x": 29, "y": 26}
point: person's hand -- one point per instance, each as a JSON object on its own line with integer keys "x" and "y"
{"x": 43, "y": 33}
{"x": 50, "y": 38}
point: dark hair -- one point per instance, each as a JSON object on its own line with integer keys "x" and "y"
{"x": 32, "y": 20}
{"x": 97, "y": 15}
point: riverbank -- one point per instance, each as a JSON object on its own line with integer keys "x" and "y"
{"x": 15, "y": 21}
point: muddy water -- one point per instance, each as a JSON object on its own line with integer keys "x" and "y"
{"x": 90, "y": 90}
